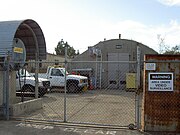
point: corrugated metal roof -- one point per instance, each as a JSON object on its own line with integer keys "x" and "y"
{"x": 18, "y": 29}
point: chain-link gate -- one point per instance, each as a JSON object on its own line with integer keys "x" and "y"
{"x": 109, "y": 99}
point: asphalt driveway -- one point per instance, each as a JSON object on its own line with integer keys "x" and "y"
{"x": 26, "y": 128}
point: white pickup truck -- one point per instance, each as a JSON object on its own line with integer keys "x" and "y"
{"x": 56, "y": 76}
{"x": 26, "y": 83}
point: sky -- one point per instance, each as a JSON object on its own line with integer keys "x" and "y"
{"x": 84, "y": 23}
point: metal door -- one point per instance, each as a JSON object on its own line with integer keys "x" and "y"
{"x": 56, "y": 77}
{"x": 117, "y": 70}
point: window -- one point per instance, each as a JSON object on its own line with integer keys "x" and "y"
{"x": 118, "y": 46}
{"x": 56, "y": 62}
{"x": 56, "y": 72}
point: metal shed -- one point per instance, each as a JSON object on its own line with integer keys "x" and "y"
{"x": 26, "y": 30}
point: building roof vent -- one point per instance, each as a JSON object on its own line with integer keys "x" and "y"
{"x": 119, "y": 36}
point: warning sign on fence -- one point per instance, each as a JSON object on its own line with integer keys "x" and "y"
{"x": 160, "y": 82}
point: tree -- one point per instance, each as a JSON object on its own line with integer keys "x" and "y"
{"x": 173, "y": 50}
{"x": 60, "y": 49}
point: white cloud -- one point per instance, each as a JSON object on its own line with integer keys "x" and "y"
{"x": 170, "y": 2}
{"x": 83, "y": 33}
{"x": 61, "y": 23}
{"x": 148, "y": 34}
{"x": 144, "y": 33}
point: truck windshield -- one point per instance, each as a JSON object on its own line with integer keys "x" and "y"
{"x": 63, "y": 71}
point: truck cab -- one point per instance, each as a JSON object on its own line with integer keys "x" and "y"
{"x": 74, "y": 83}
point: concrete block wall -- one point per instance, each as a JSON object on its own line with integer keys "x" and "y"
{"x": 12, "y": 87}
{"x": 24, "y": 107}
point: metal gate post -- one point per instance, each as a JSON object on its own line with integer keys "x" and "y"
{"x": 137, "y": 110}
{"x": 6, "y": 88}
{"x": 65, "y": 86}
{"x": 96, "y": 72}
{"x": 137, "y": 86}
{"x": 101, "y": 72}
{"x": 36, "y": 76}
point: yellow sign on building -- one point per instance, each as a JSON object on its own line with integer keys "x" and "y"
{"x": 18, "y": 50}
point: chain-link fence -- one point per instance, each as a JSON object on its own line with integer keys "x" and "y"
{"x": 88, "y": 92}
{"x": 5, "y": 85}
{"x": 102, "y": 93}
{"x": 2, "y": 100}
{"x": 161, "y": 111}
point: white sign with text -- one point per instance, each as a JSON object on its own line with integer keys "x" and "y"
{"x": 150, "y": 66}
{"x": 160, "y": 81}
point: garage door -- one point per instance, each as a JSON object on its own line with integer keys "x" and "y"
{"x": 117, "y": 70}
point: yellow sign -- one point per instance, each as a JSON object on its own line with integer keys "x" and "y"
{"x": 18, "y": 50}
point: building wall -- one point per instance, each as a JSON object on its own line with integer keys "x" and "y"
{"x": 111, "y": 46}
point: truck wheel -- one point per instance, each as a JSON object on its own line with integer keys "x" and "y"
{"x": 28, "y": 88}
{"x": 72, "y": 88}
{"x": 42, "y": 92}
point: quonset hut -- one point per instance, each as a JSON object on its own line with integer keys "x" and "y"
{"x": 118, "y": 57}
